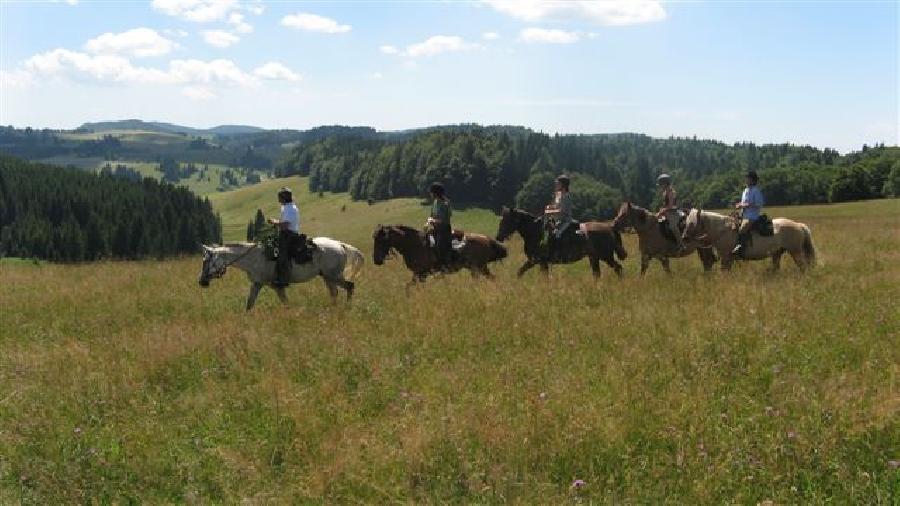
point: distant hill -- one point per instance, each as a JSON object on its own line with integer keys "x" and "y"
{"x": 168, "y": 128}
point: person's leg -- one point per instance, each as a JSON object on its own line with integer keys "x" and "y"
{"x": 444, "y": 244}
{"x": 284, "y": 261}
{"x": 743, "y": 235}
{"x": 672, "y": 218}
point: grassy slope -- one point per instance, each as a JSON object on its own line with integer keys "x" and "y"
{"x": 124, "y": 380}
{"x": 324, "y": 215}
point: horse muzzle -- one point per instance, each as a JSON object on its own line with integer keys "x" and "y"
{"x": 204, "y": 282}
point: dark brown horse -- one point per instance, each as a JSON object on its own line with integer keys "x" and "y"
{"x": 478, "y": 251}
{"x": 653, "y": 240}
{"x": 599, "y": 242}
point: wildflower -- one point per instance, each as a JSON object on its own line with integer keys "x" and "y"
{"x": 578, "y": 484}
{"x": 543, "y": 396}
{"x": 894, "y": 464}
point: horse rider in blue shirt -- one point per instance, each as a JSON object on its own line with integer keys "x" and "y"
{"x": 751, "y": 207}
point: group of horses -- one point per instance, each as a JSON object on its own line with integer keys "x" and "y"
{"x": 712, "y": 236}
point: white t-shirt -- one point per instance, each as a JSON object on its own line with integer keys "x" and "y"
{"x": 291, "y": 214}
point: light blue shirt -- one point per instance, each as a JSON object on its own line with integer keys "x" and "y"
{"x": 754, "y": 197}
{"x": 291, "y": 214}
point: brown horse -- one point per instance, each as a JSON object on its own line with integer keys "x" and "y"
{"x": 653, "y": 242}
{"x": 599, "y": 242}
{"x": 478, "y": 251}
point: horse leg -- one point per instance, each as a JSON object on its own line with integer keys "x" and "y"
{"x": 616, "y": 266}
{"x": 645, "y": 263}
{"x": 254, "y": 292}
{"x": 332, "y": 289}
{"x": 545, "y": 268}
{"x": 707, "y": 257}
{"x": 776, "y": 260}
{"x": 525, "y": 267}
{"x": 348, "y": 286}
{"x": 282, "y": 296}
{"x": 799, "y": 259}
{"x": 665, "y": 264}
{"x": 595, "y": 266}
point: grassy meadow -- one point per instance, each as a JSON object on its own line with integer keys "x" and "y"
{"x": 125, "y": 381}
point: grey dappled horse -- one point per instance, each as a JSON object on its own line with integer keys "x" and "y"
{"x": 336, "y": 262}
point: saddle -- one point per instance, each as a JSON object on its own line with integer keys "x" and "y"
{"x": 763, "y": 226}
{"x": 298, "y": 253}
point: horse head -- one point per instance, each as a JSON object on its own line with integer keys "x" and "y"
{"x": 510, "y": 222}
{"x": 214, "y": 265}
{"x": 383, "y": 244}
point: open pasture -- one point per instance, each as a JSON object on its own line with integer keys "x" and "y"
{"x": 125, "y": 381}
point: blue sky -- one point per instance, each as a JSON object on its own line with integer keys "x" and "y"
{"x": 820, "y": 73}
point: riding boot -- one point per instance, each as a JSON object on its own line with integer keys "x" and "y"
{"x": 741, "y": 247}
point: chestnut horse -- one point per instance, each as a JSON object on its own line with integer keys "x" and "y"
{"x": 475, "y": 255}
{"x": 652, "y": 240}
{"x": 599, "y": 242}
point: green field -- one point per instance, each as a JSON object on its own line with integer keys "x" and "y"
{"x": 126, "y": 382}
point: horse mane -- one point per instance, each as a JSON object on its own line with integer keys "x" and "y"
{"x": 519, "y": 210}
{"x": 404, "y": 228}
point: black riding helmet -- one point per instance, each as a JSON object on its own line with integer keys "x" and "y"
{"x": 563, "y": 180}
{"x": 752, "y": 176}
{"x": 285, "y": 195}
{"x": 437, "y": 189}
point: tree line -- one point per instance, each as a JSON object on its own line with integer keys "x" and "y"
{"x": 69, "y": 215}
{"x": 494, "y": 166}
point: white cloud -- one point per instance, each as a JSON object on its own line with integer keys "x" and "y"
{"x": 15, "y": 79}
{"x": 490, "y": 35}
{"x": 198, "y": 11}
{"x": 439, "y": 44}
{"x": 274, "y": 71}
{"x": 376, "y": 75}
{"x": 550, "y": 36}
{"x": 314, "y": 23}
{"x": 604, "y": 12}
{"x": 220, "y": 38}
{"x": 236, "y": 19}
{"x": 389, "y": 49}
{"x": 175, "y": 33}
{"x": 139, "y": 42}
{"x": 116, "y": 69}
{"x": 198, "y": 93}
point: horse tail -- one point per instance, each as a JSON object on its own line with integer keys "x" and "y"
{"x": 620, "y": 250}
{"x": 354, "y": 264}
{"x": 499, "y": 250}
{"x": 809, "y": 249}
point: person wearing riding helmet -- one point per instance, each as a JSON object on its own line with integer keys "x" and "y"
{"x": 289, "y": 238}
{"x": 669, "y": 209}
{"x": 751, "y": 208}
{"x": 439, "y": 223}
{"x": 559, "y": 212}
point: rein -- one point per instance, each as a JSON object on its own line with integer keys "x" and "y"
{"x": 242, "y": 255}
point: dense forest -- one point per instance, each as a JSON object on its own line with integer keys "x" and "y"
{"x": 494, "y": 166}
{"x": 68, "y": 215}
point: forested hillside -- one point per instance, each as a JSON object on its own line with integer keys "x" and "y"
{"x": 68, "y": 215}
{"x": 497, "y": 166}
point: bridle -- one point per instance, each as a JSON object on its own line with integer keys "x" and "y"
{"x": 220, "y": 271}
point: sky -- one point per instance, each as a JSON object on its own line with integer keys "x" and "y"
{"x": 821, "y": 73}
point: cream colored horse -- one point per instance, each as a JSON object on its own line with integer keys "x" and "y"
{"x": 719, "y": 231}
{"x": 336, "y": 262}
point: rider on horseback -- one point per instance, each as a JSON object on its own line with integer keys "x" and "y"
{"x": 751, "y": 207}
{"x": 558, "y": 214}
{"x": 669, "y": 210}
{"x": 289, "y": 238}
{"x": 439, "y": 224}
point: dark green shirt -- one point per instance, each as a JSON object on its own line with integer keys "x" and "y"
{"x": 440, "y": 211}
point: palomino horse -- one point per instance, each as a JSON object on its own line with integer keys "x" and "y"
{"x": 478, "y": 251}
{"x": 653, "y": 243}
{"x": 601, "y": 242}
{"x": 719, "y": 231}
{"x": 337, "y": 263}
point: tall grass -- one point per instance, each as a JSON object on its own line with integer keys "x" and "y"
{"x": 127, "y": 382}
